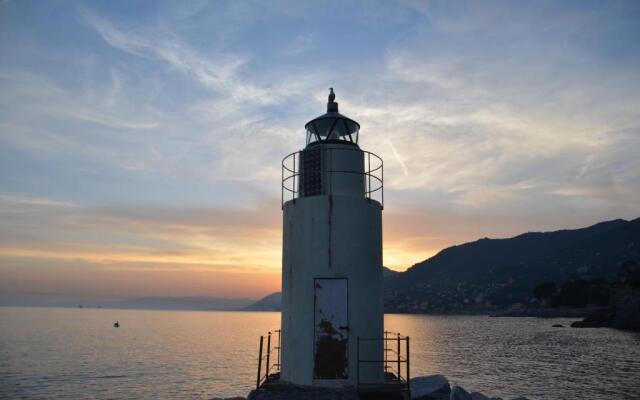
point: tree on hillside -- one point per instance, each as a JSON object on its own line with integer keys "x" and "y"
{"x": 630, "y": 274}
{"x": 581, "y": 293}
{"x": 544, "y": 290}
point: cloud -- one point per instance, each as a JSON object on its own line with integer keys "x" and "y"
{"x": 489, "y": 125}
{"x": 299, "y": 45}
{"x": 239, "y": 239}
{"x": 79, "y": 277}
{"x": 218, "y": 75}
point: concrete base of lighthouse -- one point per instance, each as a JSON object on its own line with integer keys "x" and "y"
{"x": 332, "y": 286}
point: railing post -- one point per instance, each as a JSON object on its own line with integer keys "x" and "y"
{"x": 408, "y": 366}
{"x": 369, "y": 175}
{"x": 399, "y": 364}
{"x": 358, "y": 357}
{"x": 382, "y": 179}
{"x": 259, "y": 363}
{"x": 268, "y": 354}
{"x": 279, "y": 349}
{"x": 386, "y": 364}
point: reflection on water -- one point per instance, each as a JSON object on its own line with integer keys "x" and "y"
{"x": 76, "y": 353}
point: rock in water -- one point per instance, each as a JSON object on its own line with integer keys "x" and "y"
{"x": 228, "y": 398}
{"x": 431, "y": 387}
{"x": 458, "y": 393}
{"x": 598, "y": 319}
{"x": 287, "y": 391}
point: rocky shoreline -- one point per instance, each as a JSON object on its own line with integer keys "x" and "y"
{"x": 547, "y": 312}
{"x": 431, "y": 387}
{"x": 623, "y": 314}
{"x": 437, "y": 387}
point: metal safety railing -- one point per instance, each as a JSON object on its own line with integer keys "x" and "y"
{"x": 270, "y": 371}
{"x": 396, "y": 360}
{"x": 373, "y": 173}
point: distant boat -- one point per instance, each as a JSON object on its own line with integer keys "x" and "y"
{"x": 116, "y": 325}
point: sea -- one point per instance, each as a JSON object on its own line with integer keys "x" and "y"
{"x": 55, "y": 353}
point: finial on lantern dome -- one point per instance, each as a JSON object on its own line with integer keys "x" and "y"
{"x": 332, "y": 106}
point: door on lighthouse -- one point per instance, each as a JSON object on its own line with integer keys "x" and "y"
{"x": 331, "y": 328}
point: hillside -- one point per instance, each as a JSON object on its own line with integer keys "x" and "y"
{"x": 493, "y": 274}
{"x": 271, "y": 302}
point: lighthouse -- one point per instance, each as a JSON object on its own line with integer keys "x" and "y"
{"x": 332, "y": 294}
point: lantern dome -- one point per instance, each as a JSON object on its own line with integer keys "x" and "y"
{"x": 332, "y": 127}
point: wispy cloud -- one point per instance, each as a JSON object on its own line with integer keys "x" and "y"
{"x": 219, "y": 75}
{"x": 398, "y": 158}
{"x": 121, "y": 240}
{"x": 299, "y": 45}
{"x": 233, "y": 238}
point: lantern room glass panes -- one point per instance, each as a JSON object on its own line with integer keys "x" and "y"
{"x": 336, "y": 128}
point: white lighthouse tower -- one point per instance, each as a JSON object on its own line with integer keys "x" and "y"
{"x": 332, "y": 295}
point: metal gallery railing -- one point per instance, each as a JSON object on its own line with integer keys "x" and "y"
{"x": 373, "y": 173}
{"x": 268, "y": 371}
{"x": 396, "y": 360}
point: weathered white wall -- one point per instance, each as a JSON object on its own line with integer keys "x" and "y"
{"x": 331, "y": 236}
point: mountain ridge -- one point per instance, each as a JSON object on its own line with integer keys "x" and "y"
{"x": 491, "y": 274}
{"x": 271, "y": 302}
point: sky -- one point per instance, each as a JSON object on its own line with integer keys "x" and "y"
{"x": 140, "y": 142}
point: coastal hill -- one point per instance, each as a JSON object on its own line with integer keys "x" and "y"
{"x": 494, "y": 274}
{"x": 271, "y": 302}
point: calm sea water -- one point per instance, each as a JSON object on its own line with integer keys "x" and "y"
{"x": 76, "y": 353}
